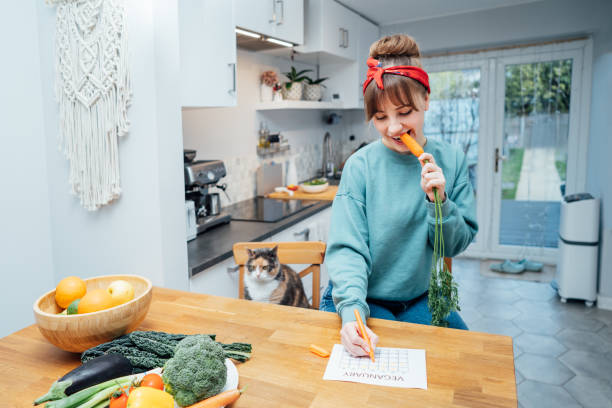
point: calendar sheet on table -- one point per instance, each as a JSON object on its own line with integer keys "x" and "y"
{"x": 393, "y": 367}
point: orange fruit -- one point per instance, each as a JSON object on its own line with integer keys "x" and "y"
{"x": 68, "y": 290}
{"x": 95, "y": 300}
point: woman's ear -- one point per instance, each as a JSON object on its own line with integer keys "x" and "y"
{"x": 426, "y": 101}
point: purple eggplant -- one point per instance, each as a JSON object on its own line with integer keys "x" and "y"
{"x": 95, "y": 371}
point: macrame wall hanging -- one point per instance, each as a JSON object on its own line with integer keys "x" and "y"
{"x": 93, "y": 91}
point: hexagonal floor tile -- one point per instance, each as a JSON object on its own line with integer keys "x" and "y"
{"x": 534, "y": 308}
{"x": 519, "y": 377}
{"x": 500, "y": 295}
{"x": 587, "y": 364}
{"x": 576, "y": 321}
{"x": 502, "y": 311}
{"x": 602, "y": 315}
{"x": 495, "y": 326}
{"x": 535, "y": 291}
{"x": 543, "y": 369}
{"x": 590, "y": 392}
{"x": 470, "y": 314}
{"x": 606, "y": 332}
{"x": 537, "y": 325}
{"x": 516, "y": 350}
{"x": 533, "y": 394}
{"x": 583, "y": 340}
{"x": 538, "y": 344}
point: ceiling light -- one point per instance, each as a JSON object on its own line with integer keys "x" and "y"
{"x": 279, "y": 42}
{"x": 247, "y": 33}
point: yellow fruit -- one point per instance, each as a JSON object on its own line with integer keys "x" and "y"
{"x": 95, "y": 300}
{"x": 121, "y": 291}
{"x": 68, "y": 290}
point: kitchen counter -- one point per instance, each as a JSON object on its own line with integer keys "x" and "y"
{"x": 215, "y": 245}
{"x": 464, "y": 368}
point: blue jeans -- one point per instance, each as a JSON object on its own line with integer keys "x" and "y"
{"x": 412, "y": 311}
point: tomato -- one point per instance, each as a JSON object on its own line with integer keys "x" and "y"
{"x": 292, "y": 187}
{"x": 153, "y": 381}
{"x": 120, "y": 401}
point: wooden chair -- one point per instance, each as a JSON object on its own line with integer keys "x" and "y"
{"x": 302, "y": 252}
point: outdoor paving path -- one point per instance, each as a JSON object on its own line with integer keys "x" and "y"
{"x": 539, "y": 179}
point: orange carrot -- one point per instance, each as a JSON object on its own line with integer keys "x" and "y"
{"x": 412, "y": 145}
{"x": 319, "y": 351}
{"x": 219, "y": 400}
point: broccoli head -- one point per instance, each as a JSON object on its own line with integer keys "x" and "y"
{"x": 197, "y": 370}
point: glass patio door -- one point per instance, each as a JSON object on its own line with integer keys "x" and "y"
{"x": 536, "y": 140}
{"x": 456, "y": 106}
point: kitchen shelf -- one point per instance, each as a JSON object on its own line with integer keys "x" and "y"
{"x": 297, "y": 105}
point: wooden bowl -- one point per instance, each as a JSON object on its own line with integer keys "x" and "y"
{"x": 79, "y": 332}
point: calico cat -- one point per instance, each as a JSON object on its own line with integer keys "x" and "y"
{"x": 267, "y": 280}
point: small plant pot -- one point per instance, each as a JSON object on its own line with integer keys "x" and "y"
{"x": 313, "y": 92}
{"x": 294, "y": 93}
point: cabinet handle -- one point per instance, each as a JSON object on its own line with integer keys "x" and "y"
{"x": 233, "y": 65}
{"x": 282, "y": 19}
{"x": 232, "y": 269}
{"x": 273, "y": 20}
{"x": 341, "y": 41}
{"x": 305, "y": 232}
{"x": 346, "y": 43}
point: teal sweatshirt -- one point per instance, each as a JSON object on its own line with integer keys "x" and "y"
{"x": 381, "y": 236}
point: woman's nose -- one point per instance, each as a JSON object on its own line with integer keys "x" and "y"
{"x": 394, "y": 128}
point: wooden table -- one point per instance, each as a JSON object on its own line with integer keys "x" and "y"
{"x": 327, "y": 195}
{"x": 464, "y": 369}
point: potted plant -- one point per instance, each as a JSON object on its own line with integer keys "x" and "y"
{"x": 293, "y": 88}
{"x": 312, "y": 90}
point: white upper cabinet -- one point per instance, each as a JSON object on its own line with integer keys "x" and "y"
{"x": 281, "y": 19}
{"x": 330, "y": 28}
{"x": 368, "y": 33}
{"x": 207, "y": 53}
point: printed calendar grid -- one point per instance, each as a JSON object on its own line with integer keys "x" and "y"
{"x": 386, "y": 360}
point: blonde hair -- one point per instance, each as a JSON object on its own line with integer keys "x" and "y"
{"x": 397, "y": 49}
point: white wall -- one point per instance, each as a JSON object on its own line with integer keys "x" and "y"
{"x": 134, "y": 234}
{"x": 26, "y": 261}
{"x": 535, "y": 22}
{"x": 46, "y": 234}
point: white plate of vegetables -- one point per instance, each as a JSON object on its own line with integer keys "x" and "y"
{"x": 315, "y": 186}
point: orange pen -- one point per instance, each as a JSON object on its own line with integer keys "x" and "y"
{"x": 364, "y": 335}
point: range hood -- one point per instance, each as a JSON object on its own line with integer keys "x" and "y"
{"x": 252, "y": 41}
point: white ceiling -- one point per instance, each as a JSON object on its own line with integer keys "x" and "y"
{"x": 387, "y": 12}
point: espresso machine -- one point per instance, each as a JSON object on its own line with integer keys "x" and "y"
{"x": 201, "y": 176}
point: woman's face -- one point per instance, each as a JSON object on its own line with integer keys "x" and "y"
{"x": 391, "y": 121}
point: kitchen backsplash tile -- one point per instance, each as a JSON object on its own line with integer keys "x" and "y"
{"x": 241, "y": 171}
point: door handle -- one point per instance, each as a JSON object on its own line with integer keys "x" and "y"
{"x": 282, "y": 18}
{"x": 305, "y": 232}
{"x": 273, "y": 19}
{"x": 498, "y": 158}
{"x": 233, "y": 66}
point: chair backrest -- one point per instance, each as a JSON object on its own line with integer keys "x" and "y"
{"x": 302, "y": 252}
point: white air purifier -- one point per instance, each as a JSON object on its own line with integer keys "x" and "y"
{"x": 578, "y": 248}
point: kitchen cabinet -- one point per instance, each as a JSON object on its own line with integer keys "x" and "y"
{"x": 219, "y": 280}
{"x": 346, "y": 79}
{"x": 331, "y": 29}
{"x": 368, "y": 33}
{"x": 207, "y": 44}
{"x": 281, "y": 19}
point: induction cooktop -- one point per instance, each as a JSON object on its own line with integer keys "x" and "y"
{"x": 263, "y": 209}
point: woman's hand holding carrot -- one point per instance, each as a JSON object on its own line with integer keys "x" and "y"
{"x": 354, "y": 343}
{"x": 432, "y": 177}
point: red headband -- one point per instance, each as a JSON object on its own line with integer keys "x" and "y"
{"x": 375, "y": 71}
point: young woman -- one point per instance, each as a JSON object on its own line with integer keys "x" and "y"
{"x": 379, "y": 251}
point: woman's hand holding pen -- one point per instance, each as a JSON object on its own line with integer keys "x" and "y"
{"x": 353, "y": 342}
{"x": 432, "y": 177}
